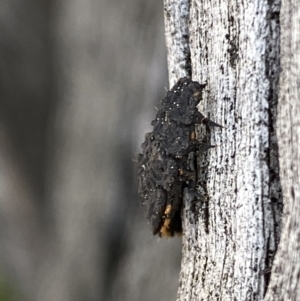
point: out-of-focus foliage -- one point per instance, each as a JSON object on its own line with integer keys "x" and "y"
{"x": 7, "y": 291}
{"x": 78, "y": 83}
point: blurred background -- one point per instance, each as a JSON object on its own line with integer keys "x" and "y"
{"x": 78, "y": 84}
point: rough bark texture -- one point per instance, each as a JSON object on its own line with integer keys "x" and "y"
{"x": 176, "y": 13}
{"x": 285, "y": 281}
{"x": 231, "y": 236}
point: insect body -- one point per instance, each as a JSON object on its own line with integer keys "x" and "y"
{"x": 164, "y": 167}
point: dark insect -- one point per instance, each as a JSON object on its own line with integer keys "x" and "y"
{"x": 166, "y": 165}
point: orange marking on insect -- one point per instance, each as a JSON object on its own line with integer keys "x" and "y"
{"x": 197, "y": 94}
{"x": 167, "y": 222}
{"x": 165, "y": 229}
{"x": 165, "y": 232}
{"x": 168, "y": 209}
{"x": 193, "y": 135}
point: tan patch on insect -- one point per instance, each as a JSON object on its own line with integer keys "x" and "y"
{"x": 197, "y": 94}
{"x": 165, "y": 229}
{"x": 193, "y": 135}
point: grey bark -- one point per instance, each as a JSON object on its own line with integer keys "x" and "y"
{"x": 285, "y": 279}
{"x": 231, "y": 236}
{"x": 176, "y": 15}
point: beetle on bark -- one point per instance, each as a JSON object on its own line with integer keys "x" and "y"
{"x": 165, "y": 167}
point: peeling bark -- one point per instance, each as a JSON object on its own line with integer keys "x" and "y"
{"x": 231, "y": 236}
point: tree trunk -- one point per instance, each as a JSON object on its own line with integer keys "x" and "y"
{"x": 284, "y": 283}
{"x": 231, "y": 234}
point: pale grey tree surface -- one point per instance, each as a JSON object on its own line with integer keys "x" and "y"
{"x": 176, "y": 15}
{"x": 285, "y": 281}
{"x": 231, "y": 237}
